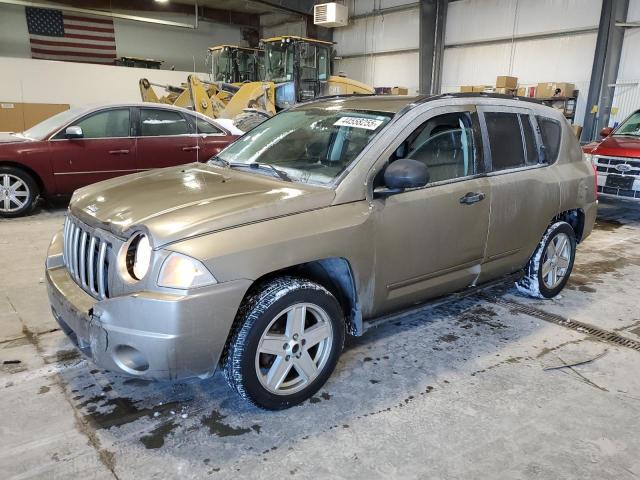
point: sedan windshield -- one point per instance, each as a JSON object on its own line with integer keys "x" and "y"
{"x": 312, "y": 145}
{"x": 630, "y": 127}
{"x": 42, "y": 129}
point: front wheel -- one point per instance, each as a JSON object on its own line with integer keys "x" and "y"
{"x": 549, "y": 268}
{"x": 287, "y": 343}
{"x": 18, "y": 192}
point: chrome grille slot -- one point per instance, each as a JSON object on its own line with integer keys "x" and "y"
{"x": 86, "y": 257}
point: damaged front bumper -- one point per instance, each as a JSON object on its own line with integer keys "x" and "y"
{"x": 148, "y": 334}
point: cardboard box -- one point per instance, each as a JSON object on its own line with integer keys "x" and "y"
{"x": 480, "y": 88}
{"x": 566, "y": 89}
{"x": 505, "y": 91}
{"x": 521, "y": 92}
{"x": 399, "y": 91}
{"x": 466, "y": 88}
{"x": 506, "y": 82}
{"x": 16, "y": 117}
{"x": 549, "y": 89}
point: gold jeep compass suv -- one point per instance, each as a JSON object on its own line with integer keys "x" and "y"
{"x": 320, "y": 219}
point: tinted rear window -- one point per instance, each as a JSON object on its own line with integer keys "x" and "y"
{"x": 550, "y": 131}
{"x": 505, "y": 140}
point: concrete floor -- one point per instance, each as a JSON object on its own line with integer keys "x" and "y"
{"x": 458, "y": 391}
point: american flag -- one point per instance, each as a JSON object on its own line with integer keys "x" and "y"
{"x": 70, "y": 37}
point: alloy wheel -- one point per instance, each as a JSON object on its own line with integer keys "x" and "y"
{"x": 14, "y": 193}
{"x": 294, "y": 348}
{"x": 555, "y": 261}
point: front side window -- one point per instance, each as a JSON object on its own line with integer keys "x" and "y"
{"x": 157, "y": 123}
{"x": 445, "y": 144}
{"x": 105, "y": 124}
{"x": 505, "y": 140}
{"x": 550, "y": 131}
{"x": 312, "y": 145}
{"x": 630, "y": 127}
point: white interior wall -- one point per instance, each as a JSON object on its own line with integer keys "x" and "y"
{"x": 177, "y": 47}
{"x": 375, "y": 47}
{"x": 44, "y": 81}
{"x": 561, "y": 59}
{"x": 627, "y": 91}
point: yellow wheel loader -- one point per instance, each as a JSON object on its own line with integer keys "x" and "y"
{"x": 296, "y": 69}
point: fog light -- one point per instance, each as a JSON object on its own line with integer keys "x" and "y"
{"x": 130, "y": 359}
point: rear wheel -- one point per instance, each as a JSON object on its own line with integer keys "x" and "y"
{"x": 287, "y": 343}
{"x": 549, "y": 268}
{"x": 18, "y": 192}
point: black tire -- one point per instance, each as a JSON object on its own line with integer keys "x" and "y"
{"x": 31, "y": 189}
{"x": 533, "y": 284}
{"x": 257, "y": 314}
{"x": 246, "y": 121}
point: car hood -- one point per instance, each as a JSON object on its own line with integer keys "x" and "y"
{"x": 8, "y": 138}
{"x": 172, "y": 204}
{"x": 618, "y": 146}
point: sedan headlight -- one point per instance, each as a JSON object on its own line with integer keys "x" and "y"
{"x": 138, "y": 256}
{"x": 180, "y": 271}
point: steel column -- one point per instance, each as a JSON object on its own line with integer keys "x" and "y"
{"x": 433, "y": 18}
{"x": 605, "y": 67}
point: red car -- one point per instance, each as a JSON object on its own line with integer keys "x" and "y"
{"x": 617, "y": 159}
{"x": 89, "y": 144}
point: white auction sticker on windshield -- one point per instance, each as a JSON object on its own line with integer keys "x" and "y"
{"x": 359, "y": 122}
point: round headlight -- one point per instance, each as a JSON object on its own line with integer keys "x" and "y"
{"x": 139, "y": 256}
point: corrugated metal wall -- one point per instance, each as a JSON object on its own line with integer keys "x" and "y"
{"x": 627, "y": 90}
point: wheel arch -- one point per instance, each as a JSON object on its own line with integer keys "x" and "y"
{"x": 333, "y": 273}
{"x": 30, "y": 171}
{"x": 574, "y": 217}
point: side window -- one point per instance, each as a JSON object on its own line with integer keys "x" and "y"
{"x": 445, "y": 144}
{"x": 202, "y": 126}
{"x": 106, "y": 124}
{"x": 550, "y": 131}
{"x": 157, "y": 122}
{"x": 533, "y": 158}
{"x": 505, "y": 140}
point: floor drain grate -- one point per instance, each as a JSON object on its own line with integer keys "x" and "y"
{"x": 605, "y": 335}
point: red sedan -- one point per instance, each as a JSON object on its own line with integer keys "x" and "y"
{"x": 617, "y": 159}
{"x": 86, "y": 145}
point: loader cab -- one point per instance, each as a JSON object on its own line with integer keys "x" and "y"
{"x": 233, "y": 64}
{"x": 300, "y": 68}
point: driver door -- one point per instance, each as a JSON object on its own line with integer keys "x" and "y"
{"x": 430, "y": 241}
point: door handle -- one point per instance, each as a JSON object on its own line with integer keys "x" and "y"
{"x": 472, "y": 197}
{"x": 118, "y": 152}
{"x": 188, "y": 149}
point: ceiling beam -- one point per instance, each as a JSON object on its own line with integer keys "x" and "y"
{"x": 303, "y": 7}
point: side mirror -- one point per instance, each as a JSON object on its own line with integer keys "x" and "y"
{"x": 404, "y": 173}
{"x": 73, "y": 132}
{"x": 606, "y": 131}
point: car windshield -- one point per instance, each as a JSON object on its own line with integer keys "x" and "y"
{"x": 630, "y": 127}
{"x": 42, "y": 129}
{"x": 311, "y": 145}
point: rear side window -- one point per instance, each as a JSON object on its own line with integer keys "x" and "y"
{"x": 202, "y": 126}
{"x": 505, "y": 140}
{"x": 550, "y": 131}
{"x": 529, "y": 140}
{"x": 156, "y": 123}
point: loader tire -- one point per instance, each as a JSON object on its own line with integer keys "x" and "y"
{"x": 246, "y": 121}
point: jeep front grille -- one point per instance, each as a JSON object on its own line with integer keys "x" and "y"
{"x": 86, "y": 256}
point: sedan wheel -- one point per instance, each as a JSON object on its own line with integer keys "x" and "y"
{"x": 18, "y": 192}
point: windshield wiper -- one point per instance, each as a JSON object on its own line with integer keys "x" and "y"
{"x": 254, "y": 165}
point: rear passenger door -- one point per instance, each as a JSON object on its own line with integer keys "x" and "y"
{"x": 211, "y": 138}
{"x": 525, "y": 193}
{"x": 165, "y": 139}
